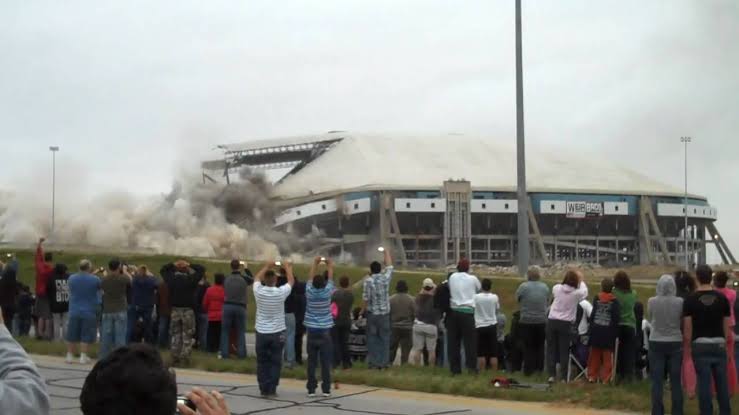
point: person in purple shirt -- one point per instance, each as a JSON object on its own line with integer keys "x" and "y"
{"x": 83, "y": 303}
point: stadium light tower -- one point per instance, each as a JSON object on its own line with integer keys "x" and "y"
{"x": 53, "y": 150}
{"x": 685, "y": 141}
{"x": 523, "y": 203}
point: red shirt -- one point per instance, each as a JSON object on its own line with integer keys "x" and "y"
{"x": 43, "y": 272}
{"x": 213, "y": 302}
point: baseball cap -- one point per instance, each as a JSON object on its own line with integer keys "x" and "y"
{"x": 428, "y": 283}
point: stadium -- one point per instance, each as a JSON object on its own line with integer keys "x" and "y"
{"x": 434, "y": 199}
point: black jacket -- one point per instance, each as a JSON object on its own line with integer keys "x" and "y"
{"x": 604, "y": 323}
{"x": 182, "y": 285}
{"x": 57, "y": 291}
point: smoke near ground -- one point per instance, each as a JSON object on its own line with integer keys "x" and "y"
{"x": 194, "y": 219}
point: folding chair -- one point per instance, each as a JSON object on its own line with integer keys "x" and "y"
{"x": 575, "y": 366}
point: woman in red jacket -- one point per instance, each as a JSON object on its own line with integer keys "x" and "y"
{"x": 213, "y": 306}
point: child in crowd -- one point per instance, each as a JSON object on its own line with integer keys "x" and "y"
{"x": 358, "y": 336}
{"x": 24, "y": 317}
{"x": 500, "y": 315}
{"x": 604, "y": 321}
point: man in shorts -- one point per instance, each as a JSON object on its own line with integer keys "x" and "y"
{"x": 425, "y": 327}
{"x": 83, "y": 300}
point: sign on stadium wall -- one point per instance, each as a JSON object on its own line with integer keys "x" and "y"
{"x": 582, "y": 210}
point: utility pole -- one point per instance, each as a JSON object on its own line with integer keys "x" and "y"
{"x": 53, "y": 150}
{"x": 523, "y": 198}
{"x": 686, "y": 140}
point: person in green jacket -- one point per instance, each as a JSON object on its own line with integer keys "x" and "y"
{"x": 626, "y": 297}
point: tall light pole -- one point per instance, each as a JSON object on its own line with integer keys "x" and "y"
{"x": 685, "y": 141}
{"x": 523, "y": 202}
{"x": 53, "y": 150}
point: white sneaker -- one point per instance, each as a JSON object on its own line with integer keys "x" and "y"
{"x": 219, "y": 356}
{"x": 84, "y": 360}
{"x": 326, "y": 394}
{"x": 311, "y": 395}
{"x": 70, "y": 358}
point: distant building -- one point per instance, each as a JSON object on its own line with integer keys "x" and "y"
{"x": 433, "y": 199}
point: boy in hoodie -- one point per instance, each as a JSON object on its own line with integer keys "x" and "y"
{"x": 664, "y": 313}
{"x": 604, "y": 321}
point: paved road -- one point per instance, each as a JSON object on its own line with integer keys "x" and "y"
{"x": 65, "y": 382}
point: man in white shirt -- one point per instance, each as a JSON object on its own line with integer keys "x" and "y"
{"x": 460, "y": 322}
{"x": 270, "y": 326}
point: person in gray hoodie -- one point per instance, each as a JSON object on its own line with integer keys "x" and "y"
{"x": 664, "y": 313}
{"x": 533, "y": 298}
{"x": 22, "y": 389}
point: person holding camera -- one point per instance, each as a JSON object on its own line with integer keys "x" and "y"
{"x": 115, "y": 320}
{"x": 143, "y": 293}
{"x": 318, "y": 324}
{"x": 234, "y": 308}
{"x": 270, "y": 325}
{"x": 182, "y": 282}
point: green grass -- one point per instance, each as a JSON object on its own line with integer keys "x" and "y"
{"x": 633, "y": 398}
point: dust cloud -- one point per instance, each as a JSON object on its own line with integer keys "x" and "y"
{"x": 194, "y": 219}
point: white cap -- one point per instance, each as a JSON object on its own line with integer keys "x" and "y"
{"x": 428, "y": 283}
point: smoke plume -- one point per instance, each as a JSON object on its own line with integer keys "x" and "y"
{"x": 194, "y": 219}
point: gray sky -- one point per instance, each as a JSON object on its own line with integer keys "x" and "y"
{"x": 136, "y": 91}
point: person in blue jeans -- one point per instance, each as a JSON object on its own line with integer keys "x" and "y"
{"x": 318, "y": 324}
{"x": 270, "y": 326}
{"x": 664, "y": 313}
{"x": 115, "y": 320}
{"x": 706, "y": 332}
{"x": 83, "y": 302}
{"x": 376, "y": 303}
{"x": 291, "y": 309}
{"x": 234, "y": 309}
{"x": 143, "y": 292}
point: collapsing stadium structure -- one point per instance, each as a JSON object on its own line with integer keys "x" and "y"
{"x": 434, "y": 199}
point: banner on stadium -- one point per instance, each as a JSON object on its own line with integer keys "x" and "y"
{"x": 582, "y": 210}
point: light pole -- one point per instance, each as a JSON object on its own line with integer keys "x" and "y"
{"x": 53, "y": 150}
{"x": 685, "y": 141}
{"x": 523, "y": 202}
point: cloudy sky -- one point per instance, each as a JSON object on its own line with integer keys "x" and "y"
{"x": 135, "y": 92}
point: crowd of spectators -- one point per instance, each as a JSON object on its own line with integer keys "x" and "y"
{"x": 686, "y": 333}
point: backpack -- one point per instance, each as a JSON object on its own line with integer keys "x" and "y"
{"x": 443, "y": 297}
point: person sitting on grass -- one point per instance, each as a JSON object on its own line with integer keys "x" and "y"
{"x": 22, "y": 388}
{"x": 358, "y": 336}
{"x": 134, "y": 380}
{"x": 486, "y": 323}
{"x": 318, "y": 324}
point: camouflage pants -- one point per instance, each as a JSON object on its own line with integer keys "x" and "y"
{"x": 182, "y": 333}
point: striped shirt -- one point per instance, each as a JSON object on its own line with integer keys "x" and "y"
{"x": 270, "y": 307}
{"x": 376, "y": 288}
{"x": 318, "y": 306}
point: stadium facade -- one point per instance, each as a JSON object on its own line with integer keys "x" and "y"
{"x": 434, "y": 199}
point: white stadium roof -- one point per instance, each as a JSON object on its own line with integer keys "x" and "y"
{"x": 361, "y": 162}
